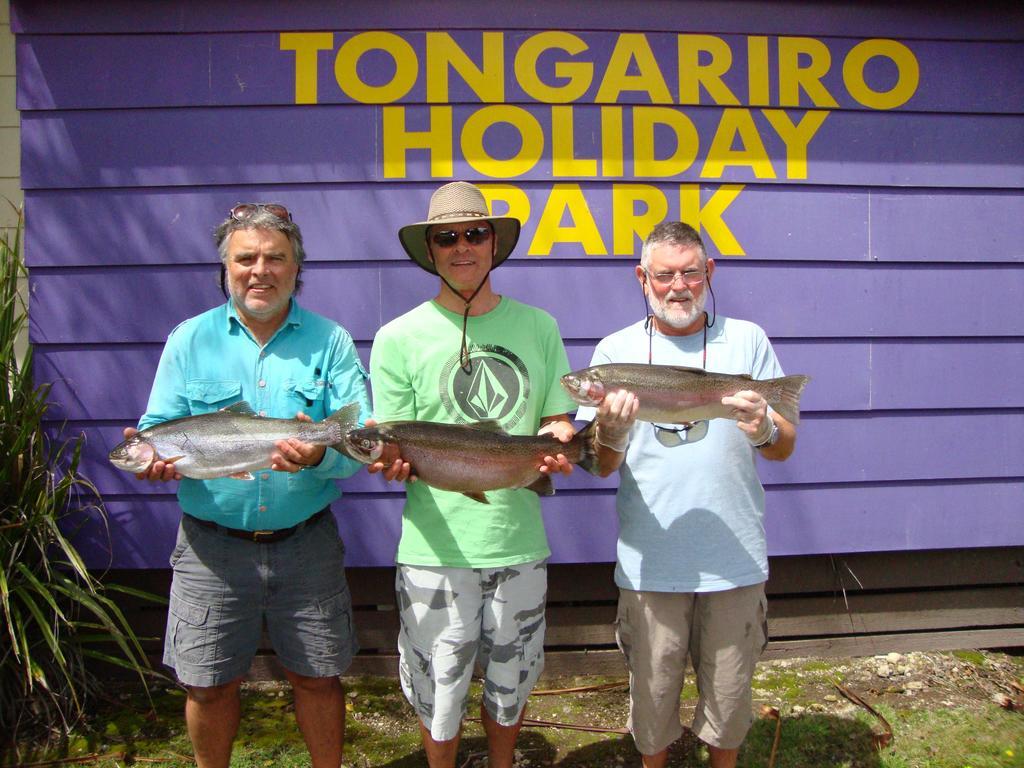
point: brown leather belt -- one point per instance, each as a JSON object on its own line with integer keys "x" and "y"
{"x": 260, "y": 537}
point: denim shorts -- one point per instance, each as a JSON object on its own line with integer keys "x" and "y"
{"x": 224, "y": 590}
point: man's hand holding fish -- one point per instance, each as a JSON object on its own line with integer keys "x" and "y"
{"x": 750, "y": 410}
{"x": 398, "y": 470}
{"x": 294, "y": 455}
{"x": 563, "y": 429}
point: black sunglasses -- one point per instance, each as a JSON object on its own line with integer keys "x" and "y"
{"x": 446, "y": 238}
{"x": 243, "y": 211}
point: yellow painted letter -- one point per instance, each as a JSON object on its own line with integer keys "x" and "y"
{"x": 437, "y": 140}
{"x": 793, "y": 77}
{"x": 796, "y": 137}
{"x": 632, "y": 46}
{"x": 693, "y": 74}
{"x": 578, "y": 75}
{"x": 564, "y": 163}
{"x": 346, "y": 70}
{"x": 306, "y": 45}
{"x": 563, "y": 198}
{"x": 909, "y": 73}
{"x": 443, "y": 53}
{"x": 737, "y": 122}
{"x": 516, "y": 203}
{"x": 757, "y": 70}
{"x": 629, "y": 228}
{"x": 530, "y": 132}
{"x": 611, "y": 141}
{"x": 687, "y": 142}
{"x": 709, "y": 216}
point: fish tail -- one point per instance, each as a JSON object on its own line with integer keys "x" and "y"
{"x": 345, "y": 419}
{"x": 786, "y": 400}
{"x": 588, "y": 450}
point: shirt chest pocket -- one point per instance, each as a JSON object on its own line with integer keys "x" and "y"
{"x": 307, "y": 395}
{"x": 209, "y": 395}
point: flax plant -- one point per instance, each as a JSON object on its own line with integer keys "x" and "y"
{"x": 55, "y": 616}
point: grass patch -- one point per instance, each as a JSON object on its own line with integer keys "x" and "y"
{"x": 971, "y": 657}
{"x": 937, "y": 727}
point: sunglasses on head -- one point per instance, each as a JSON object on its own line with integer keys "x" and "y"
{"x": 691, "y": 432}
{"x": 243, "y": 211}
{"x": 446, "y": 238}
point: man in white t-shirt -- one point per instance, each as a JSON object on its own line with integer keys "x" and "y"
{"x": 691, "y": 553}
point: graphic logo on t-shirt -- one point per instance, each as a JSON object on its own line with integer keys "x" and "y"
{"x": 497, "y": 387}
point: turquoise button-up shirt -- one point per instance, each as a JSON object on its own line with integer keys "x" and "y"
{"x": 310, "y": 364}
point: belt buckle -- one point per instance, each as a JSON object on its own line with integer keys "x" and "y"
{"x": 258, "y": 536}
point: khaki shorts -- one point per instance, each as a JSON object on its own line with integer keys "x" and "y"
{"x": 724, "y": 633}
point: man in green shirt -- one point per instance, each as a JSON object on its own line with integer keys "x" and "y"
{"x": 471, "y": 579}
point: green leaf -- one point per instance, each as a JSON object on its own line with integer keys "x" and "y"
{"x": 148, "y": 596}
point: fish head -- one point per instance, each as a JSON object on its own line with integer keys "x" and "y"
{"x": 365, "y": 444}
{"x": 585, "y": 386}
{"x": 134, "y": 454}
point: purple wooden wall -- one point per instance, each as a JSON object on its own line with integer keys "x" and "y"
{"x": 889, "y": 267}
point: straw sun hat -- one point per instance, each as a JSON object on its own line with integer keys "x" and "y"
{"x": 458, "y": 203}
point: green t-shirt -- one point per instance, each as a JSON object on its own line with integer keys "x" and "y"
{"x": 518, "y": 358}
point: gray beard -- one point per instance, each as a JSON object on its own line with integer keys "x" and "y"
{"x": 673, "y": 317}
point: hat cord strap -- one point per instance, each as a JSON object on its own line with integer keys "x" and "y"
{"x": 464, "y": 362}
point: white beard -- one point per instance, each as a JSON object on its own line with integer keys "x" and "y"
{"x": 674, "y": 315}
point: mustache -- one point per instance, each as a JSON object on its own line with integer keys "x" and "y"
{"x": 676, "y": 295}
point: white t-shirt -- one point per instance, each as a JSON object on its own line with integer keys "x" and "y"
{"x": 691, "y": 517}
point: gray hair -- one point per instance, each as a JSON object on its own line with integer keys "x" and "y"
{"x": 260, "y": 218}
{"x": 672, "y": 233}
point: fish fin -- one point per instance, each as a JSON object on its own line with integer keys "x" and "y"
{"x": 542, "y": 486}
{"x": 242, "y": 408}
{"x": 166, "y": 461}
{"x": 242, "y": 476}
{"x": 488, "y": 425}
{"x": 347, "y": 415}
{"x": 345, "y": 419}
{"x": 588, "y": 449}
{"x": 476, "y": 496}
{"x": 687, "y": 369}
{"x": 788, "y": 403}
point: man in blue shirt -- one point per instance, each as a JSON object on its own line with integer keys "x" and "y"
{"x": 264, "y": 550}
{"x": 691, "y": 553}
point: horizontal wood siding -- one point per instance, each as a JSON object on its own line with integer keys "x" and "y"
{"x": 842, "y": 605}
{"x": 888, "y": 266}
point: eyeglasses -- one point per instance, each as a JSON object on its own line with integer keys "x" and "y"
{"x": 244, "y": 211}
{"x": 691, "y": 432}
{"x": 689, "y": 277}
{"x": 447, "y": 238}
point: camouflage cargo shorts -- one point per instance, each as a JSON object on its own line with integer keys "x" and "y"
{"x": 453, "y": 618}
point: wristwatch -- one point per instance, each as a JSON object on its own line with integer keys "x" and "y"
{"x": 773, "y": 438}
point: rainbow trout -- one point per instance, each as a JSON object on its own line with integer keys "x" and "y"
{"x": 468, "y": 458}
{"x": 677, "y": 395}
{"x": 228, "y": 443}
